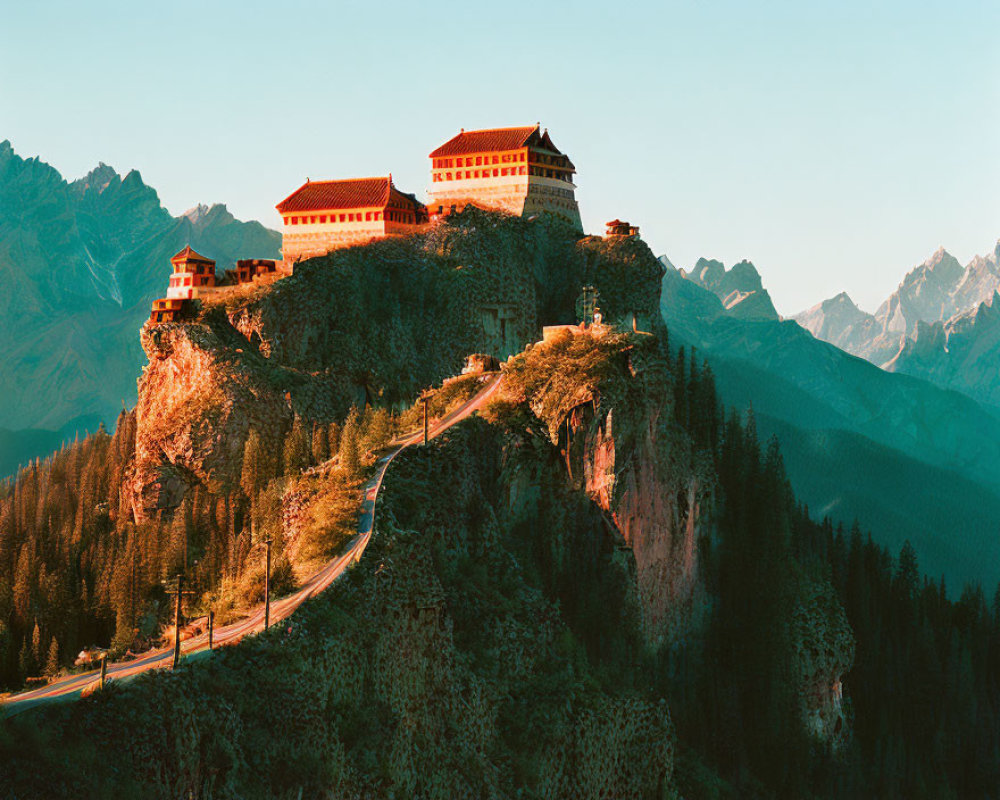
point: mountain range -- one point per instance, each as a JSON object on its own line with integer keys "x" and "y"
{"x": 937, "y": 325}
{"x": 904, "y": 457}
{"x": 82, "y": 261}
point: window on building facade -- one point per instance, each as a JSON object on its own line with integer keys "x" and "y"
{"x": 496, "y": 172}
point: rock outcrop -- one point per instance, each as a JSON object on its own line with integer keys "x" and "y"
{"x": 605, "y": 404}
{"x": 369, "y": 324}
{"x": 825, "y": 649}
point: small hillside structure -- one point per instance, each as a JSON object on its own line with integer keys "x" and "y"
{"x": 193, "y": 275}
{"x": 321, "y": 216}
{"x": 620, "y": 229}
{"x": 518, "y": 170}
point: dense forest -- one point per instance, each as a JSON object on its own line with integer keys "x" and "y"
{"x": 522, "y": 629}
{"x": 76, "y": 571}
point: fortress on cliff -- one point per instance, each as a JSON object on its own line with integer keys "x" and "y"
{"x": 515, "y": 170}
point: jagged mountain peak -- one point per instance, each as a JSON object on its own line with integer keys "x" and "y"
{"x": 841, "y": 299}
{"x": 667, "y": 263}
{"x": 746, "y": 274}
{"x": 739, "y": 288}
{"x": 202, "y": 215}
{"x": 98, "y": 179}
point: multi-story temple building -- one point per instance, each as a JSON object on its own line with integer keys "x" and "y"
{"x": 321, "y": 216}
{"x": 193, "y": 276}
{"x": 518, "y": 170}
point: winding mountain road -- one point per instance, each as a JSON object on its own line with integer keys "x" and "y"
{"x": 73, "y": 686}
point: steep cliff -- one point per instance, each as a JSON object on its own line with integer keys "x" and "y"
{"x": 370, "y": 324}
{"x": 606, "y": 403}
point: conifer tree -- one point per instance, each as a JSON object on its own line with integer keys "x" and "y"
{"x": 297, "y": 450}
{"x": 52, "y": 662}
{"x": 320, "y": 444}
{"x": 350, "y": 448}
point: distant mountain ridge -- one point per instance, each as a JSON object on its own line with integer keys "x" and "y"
{"x": 933, "y": 292}
{"x": 906, "y": 458}
{"x": 739, "y": 288}
{"x": 81, "y": 262}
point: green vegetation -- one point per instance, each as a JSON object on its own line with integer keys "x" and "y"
{"x": 75, "y": 570}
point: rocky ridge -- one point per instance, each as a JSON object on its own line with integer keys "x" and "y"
{"x": 934, "y": 291}
{"x": 739, "y": 288}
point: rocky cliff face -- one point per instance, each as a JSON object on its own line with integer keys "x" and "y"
{"x": 375, "y": 324}
{"x": 825, "y": 653}
{"x": 658, "y": 516}
{"x": 605, "y": 404}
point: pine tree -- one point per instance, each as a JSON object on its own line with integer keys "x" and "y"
{"x": 320, "y": 444}
{"x": 52, "y": 662}
{"x": 378, "y": 431}
{"x": 297, "y": 450}
{"x": 350, "y": 449}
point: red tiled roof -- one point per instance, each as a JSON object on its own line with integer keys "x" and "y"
{"x": 350, "y": 193}
{"x": 187, "y": 254}
{"x": 485, "y": 141}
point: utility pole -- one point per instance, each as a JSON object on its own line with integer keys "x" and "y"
{"x": 267, "y": 583}
{"x": 133, "y": 585}
{"x": 424, "y": 399}
{"x": 177, "y": 623}
{"x": 211, "y": 628}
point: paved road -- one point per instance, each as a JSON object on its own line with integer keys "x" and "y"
{"x": 72, "y": 686}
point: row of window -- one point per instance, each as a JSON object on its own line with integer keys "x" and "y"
{"x": 351, "y": 216}
{"x": 199, "y": 269}
{"x": 541, "y": 158}
{"x": 185, "y": 280}
{"x": 477, "y": 161}
{"x": 503, "y": 171}
{"x": 477, "y": 173}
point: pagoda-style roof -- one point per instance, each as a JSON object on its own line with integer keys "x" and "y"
{"x": 349, "y": 193}
{"x": 491, "y": 140}
{"x": 187, "y": 254}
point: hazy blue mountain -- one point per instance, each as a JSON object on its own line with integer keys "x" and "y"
{"x": 81, "y": 263}
{"x": 740, "y": 289}
{"x": 934, "y": 291}
{"x": 960, "y": 353}
{"x": 908, "y": 459}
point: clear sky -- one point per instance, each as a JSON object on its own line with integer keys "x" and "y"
{"x": 835, "y": 145}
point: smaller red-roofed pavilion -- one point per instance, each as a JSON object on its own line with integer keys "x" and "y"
{"x": 321, "y": 216}
{"x": 193, "y": 275}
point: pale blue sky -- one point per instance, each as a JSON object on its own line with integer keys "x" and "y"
{"x": 835, "y": 145}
